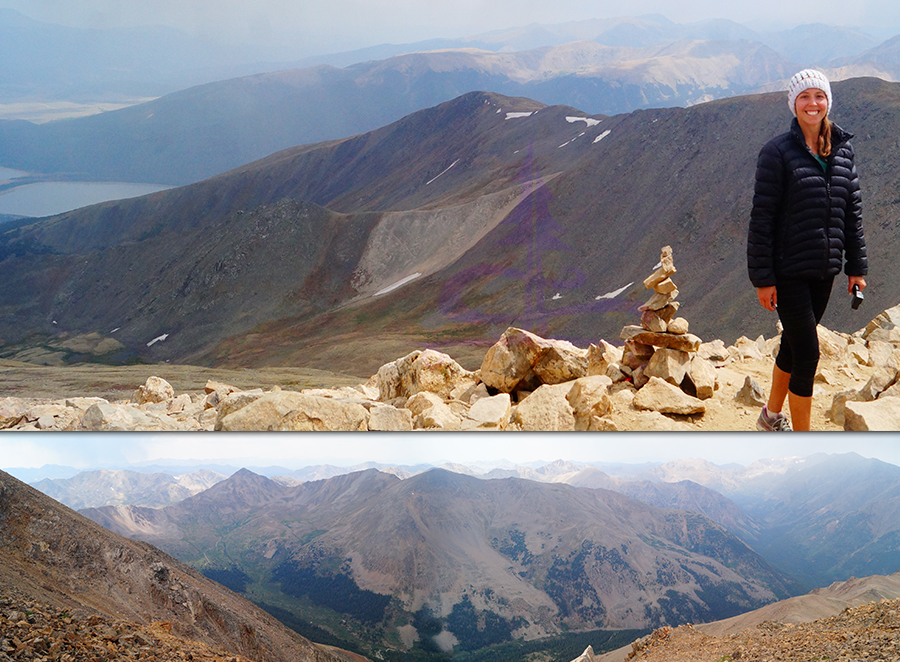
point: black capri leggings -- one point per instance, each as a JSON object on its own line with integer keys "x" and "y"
{"x": 801, "y": 304}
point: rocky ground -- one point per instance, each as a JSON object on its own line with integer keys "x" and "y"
{"x": 867, "y": 632}
{"x": 33, "y": 631}
{"x": 525, "y": 383}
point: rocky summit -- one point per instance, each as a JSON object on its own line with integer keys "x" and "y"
{"x": 866, "y": 632}
{"x": 661, "y": 378}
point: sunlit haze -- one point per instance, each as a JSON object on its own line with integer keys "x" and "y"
{"x": 298, "y": 29}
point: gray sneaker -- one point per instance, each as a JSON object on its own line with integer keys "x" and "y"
{"x": 772, "y": 422}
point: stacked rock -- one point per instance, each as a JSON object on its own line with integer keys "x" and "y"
{"x": 661, "y": 346}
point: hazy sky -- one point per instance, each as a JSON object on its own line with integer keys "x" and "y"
{"x": 337, "y": 25}
{"x": 296, "y": 450}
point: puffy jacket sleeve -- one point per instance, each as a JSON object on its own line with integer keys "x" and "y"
{"x": 764, "y": 216}
{"x": 854, "y": 240}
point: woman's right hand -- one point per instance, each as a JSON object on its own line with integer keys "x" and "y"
{"x": 768, "y": 297}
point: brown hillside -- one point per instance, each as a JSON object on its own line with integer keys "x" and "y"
{"x": 55, "y": 556}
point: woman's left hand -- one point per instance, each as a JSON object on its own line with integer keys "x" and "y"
{"x": 856, "y": 280}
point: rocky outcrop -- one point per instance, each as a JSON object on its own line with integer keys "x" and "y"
{"x": 865, "y": 632}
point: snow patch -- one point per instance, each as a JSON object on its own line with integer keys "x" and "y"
{"x": 602, "y": 136}
{"x": 158, "y": 339}
{"x": 399, "y": 283}
{"x": 445, "y": 170}
{"x": 613, "y": 295}
{"x": 590, "y": 121}
{"x": 512, "y": 116}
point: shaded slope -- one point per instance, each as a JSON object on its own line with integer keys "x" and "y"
{"x": 59, "y": 557}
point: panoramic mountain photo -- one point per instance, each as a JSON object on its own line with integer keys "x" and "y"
{"x": 285, "y": 226}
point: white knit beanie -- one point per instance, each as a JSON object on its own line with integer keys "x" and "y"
{"x": 804, "y": 80}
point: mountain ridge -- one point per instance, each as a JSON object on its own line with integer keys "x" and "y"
{"x": 349, "y": 239}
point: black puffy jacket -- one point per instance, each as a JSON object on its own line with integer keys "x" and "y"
{"x": 805, "y": 220}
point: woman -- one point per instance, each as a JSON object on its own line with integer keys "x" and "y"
{"x": 804, "y": 227}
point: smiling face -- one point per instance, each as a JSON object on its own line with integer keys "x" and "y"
{"x": 811, "y": 107}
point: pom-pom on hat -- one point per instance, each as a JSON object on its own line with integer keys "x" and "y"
{"x": 804, "y": 80}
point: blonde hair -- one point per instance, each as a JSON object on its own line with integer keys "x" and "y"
{"x": 824, "y": 142}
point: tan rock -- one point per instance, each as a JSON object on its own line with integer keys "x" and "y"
{"x": 490, "y": 413}
{"x": 523, "y": 360}
{"x": 435, "y": 372}
{"x": 886, "y": 335}
{"x": 887, "y": 319}
{"x": 665, "y": 286}
{"x": 234, "y": 401}
{"x": 751, "y": 394}
{"x": 658, "y": 395}
{"x": 561, "y": 362}
{"x": 687, "y": 342}
{"x": 213, "y": 386}
{"x": 546, "y": 410}
{"x": 589, "y": 399}
{"x": 510, "y": 361}
{"x": 480, "y": 391}
{"x": 702, "y": 375}
{"x": 859, "y": 351}
{"x": 839, "y": 403}
{"x": 385, "y": 418}
{"x": 669, "y": 365}
{"x": 601, "y": 356}
{"x": 291, "y": 411}
{"x": 880, "y": 380}
{"x": 388, "y": 379}
{"x": 12, "y": 410}
{"x": 653, "y": 321}
{"x": 659, "y": 300}
{"x": 636, "y": 354}
{"x": 713, "y": 351}
{"x": 679, "y": 326}
{"x": 882, "y": 415}
{"x": 654, "y": 421}
{"x": 438, "y": 417}
{"x": 831, "y": 345}
{"x": 422, "y": 401}
{"x": 747, "y": 349}
{"x": 105, "y": 417}
{"x": 179, "y": 404}
{"x": 155, "y": 389}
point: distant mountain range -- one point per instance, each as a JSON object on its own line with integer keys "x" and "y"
{"x": 779, "y": 507}
{"x": 104, "y": 487}
{"x": 441, "y": 229}
{"x": 214, "y": 116}
{"x": 452, "y": 546}
{"x": 519, "y": 557}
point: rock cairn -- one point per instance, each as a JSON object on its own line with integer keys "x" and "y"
{"x": 661, "y": 349}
